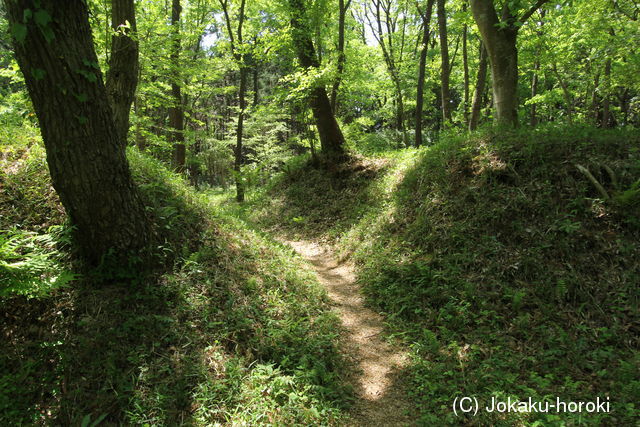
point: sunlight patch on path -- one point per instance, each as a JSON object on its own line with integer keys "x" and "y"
{"x": 382, "y": 401}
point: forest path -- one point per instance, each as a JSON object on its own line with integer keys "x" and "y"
{"x": 381, "y": 400}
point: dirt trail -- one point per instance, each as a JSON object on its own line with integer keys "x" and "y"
{"x": 381, "y": 398}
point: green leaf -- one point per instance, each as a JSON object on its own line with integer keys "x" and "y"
{"x": 19, "y": 32}
{"x": 88, "y": 75}
{"x": 42, "y": 18}
{"x": 90, "y": 64}
{"x": 86, "y": 420}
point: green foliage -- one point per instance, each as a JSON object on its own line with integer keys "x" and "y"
{"x": 496, "y": 261}
{"x": 28, "y": 264}
{"x": 179, "y": 212}
{"x": 28, "y": 202}
{"x": 238, "y": 331}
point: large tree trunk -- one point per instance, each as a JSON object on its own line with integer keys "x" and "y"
{"x": 500, "y": 43}
{"x": 445, "y": 70}
{"x": 476, "y": 106}
{"x": 331, "y": 138}
{"x": 176, "y": 111}
{"x": 426, "y": 21}
{"x": 86, "y": 158}
{"x": 500, "y": 37}
{"x": 503, "y": 57}
{"x": 122, "y": 77}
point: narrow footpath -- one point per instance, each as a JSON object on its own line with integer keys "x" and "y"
{"x": 381, "y": 398}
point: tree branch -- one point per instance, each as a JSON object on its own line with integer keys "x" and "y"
{"x": 531, "y": 11}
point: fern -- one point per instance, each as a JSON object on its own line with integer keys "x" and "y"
{"x": 29, "y": 263}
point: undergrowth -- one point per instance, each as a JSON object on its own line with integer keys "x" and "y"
{"x": 497, "y": 261}
{"x": 235, "y": 331}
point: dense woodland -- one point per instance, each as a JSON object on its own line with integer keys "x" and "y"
{"x": 318, "y": 212}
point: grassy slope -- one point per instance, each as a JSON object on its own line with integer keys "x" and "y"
{"x": 237, "y": 331}
{"x": 496, "y": 262}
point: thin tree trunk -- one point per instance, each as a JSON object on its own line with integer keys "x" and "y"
{"x": 606, "y": 112}
{"x": 122, "y": 77}
{"x": 241, "y": 60}
{"x": 341, "y": 55}
{"x": 389, "y": 57}
{"x": 86, "y": 158}
{"x": 478, "y": 94}
{"x": 426, "y": 22}
{"x": 533, "y": 119}
{"x": 176, "y": 111}
{"x": 595, "y": 110}
{"x": 565, "y": 91}
{"x": 256, "y": 85}
{"x": 141, "y": 142}
{"x": 238, "y": 151}
{"x": 465, "y": 66}
{"x": 444, "y": 73}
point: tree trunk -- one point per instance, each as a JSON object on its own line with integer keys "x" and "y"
{"x": 176, "y": 111}
{"x": 141, "y": 142}
{"x": 256, "y": 84}
{"x": 503, "y": 57}
{"x": 595, "y": 110}
{"x": 533, "y": 120}
{"x": 465, "y": 66}
{"x": 341, "y": 56}
{"x": 241, "y": 60}
{"x": 568, "y": 99}
{"x": 478, "y": 93}
{"x": 331, "y": 138}
{"x": 237, "y": 166}
{"x": 444, "y": 55}
{"x": 426, "y": 21}
{"x": 389, "y": 57}
{"x": 86, "y": 158}
{"x": 122, "y": 77}
{"x": 606, "y": 110}
{"x": 500, "y": 42}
